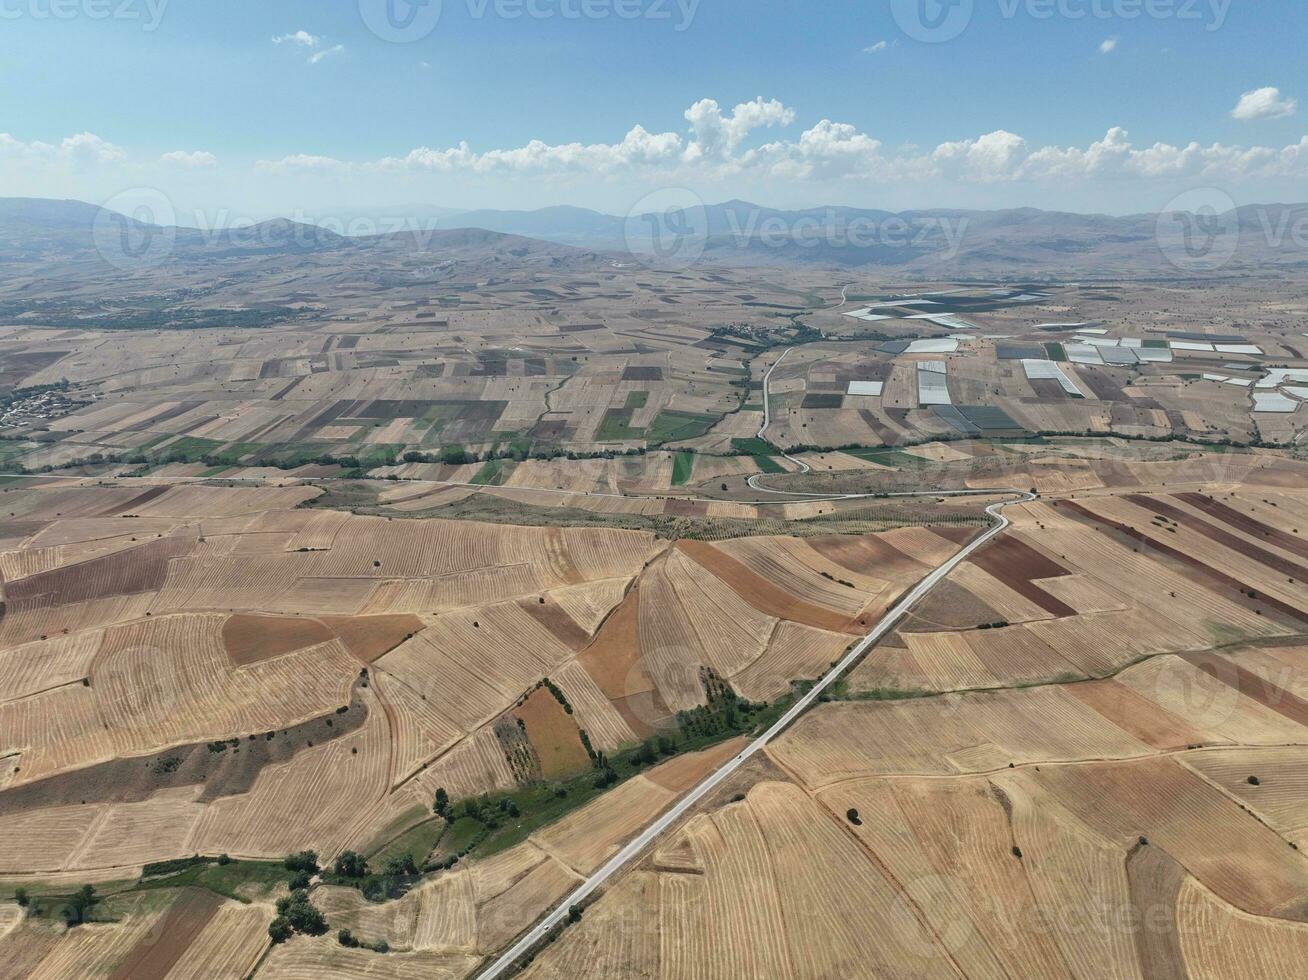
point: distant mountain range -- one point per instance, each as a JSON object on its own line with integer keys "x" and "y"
{"x": 930, "y": 243}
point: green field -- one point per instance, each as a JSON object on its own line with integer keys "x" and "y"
{"x": 682, "y": 466}
{"x": 616, "y": 427}
{"x": 768, "y": 464}
{"x": 491, "y": 474}
{"x": 1056, "y": 351}
{"x": 753, "y": 446}
{"x": 893, "y": 458}
{"x": 637, "y": 399}
{"x": 818, "y": 399}
{"x": 670, "y": 426}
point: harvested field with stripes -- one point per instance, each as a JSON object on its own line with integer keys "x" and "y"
{"x": 255, "y": 679}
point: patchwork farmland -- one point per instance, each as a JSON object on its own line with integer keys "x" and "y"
{"x": 387, "y": 628}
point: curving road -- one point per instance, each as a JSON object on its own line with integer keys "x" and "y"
{"x": 767, "y": 422}
{"x": 506, "y": 961}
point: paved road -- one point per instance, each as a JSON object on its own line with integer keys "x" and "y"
{"x": 505, "y": 962}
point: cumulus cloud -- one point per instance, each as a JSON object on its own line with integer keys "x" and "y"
{"x": 717, "y": 136}
{"x": 720, "y": 145}
{"x": 1108, "y": 45}
{"x": 83, "y": 150}
{"x": 302, "y": 38}
{"x": 1264, "y": 103}
{"x": 195, "y": 160}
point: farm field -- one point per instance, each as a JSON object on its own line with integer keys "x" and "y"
{"x": 460, "y": 574}
{"x": 1109, "y": 797}
{"x": 221, "y": 670}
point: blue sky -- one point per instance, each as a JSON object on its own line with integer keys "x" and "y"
{"x": 1029, "y": 104}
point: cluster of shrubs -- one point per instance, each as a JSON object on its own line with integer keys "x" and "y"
{"x": 347, "y": 938}
{"x": 394, "y": 879}
{"x": 295, "y": 913}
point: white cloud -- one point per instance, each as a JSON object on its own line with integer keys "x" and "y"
{"x": 196, "y": 160}
{"x": 716, "y": 137}
{"x": 84, "y": 150}
{"x": 303, "y": 163}
{"x": 326, "y": 53}
{"x": 303, "y": 38}
{"x": 1108, "y": 45}
{"x": 1264, "y": 103}
{"x": 876, "y": 48}
{"x": 720, "y": 146}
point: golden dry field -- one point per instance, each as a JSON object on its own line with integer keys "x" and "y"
{"x": 461, "y": 577}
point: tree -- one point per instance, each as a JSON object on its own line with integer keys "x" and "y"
{"x": 302, "y": 915}
{"x": 21, "y": 897}
{"x": 442, "y": 804}
{"x": 80, "y": 905}
{"x": 351, "y": 865}
{"x": 398, "y": 866}
{"x": 852, "y": 816}
{"x": 302, "y": 861}
{"x": 346, "y": 938}
{"x": 279, "y": 930}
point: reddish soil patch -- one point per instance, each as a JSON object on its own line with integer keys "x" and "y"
{"x": 685, "y": 508}
{"x": 1243, "y": 522}
{"x": 949, "y": 606}
{"x": 1047, "y": 390}
{"x": 888, "y": 436}
{"x": 556, "y": 619}
{"x": 1016, "y": 564}
{"x": 250, "y": 639}
{"x": 1135, "y": 715}
{"x": 229, "y": 771}
{"x": 553, "y": 734}
{"x": 140, "y": 569}
{"x": 767, "y": 598}
{"x": 140, "y": 500}
{"x": 613, "y": 661}
{"x": 1226, "y": 538}
{"x": 370, "y": 638}
{"x": 958, "y": 535}
{"x": 1252, "y": 686}
{"x": 158, "y": 952}
{"x": 868, "y": 556}
{"x": 1206, "y": 575}
{"x": 1103, "y": 384}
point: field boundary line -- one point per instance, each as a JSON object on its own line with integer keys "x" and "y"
{"x": 508, "y": 960}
